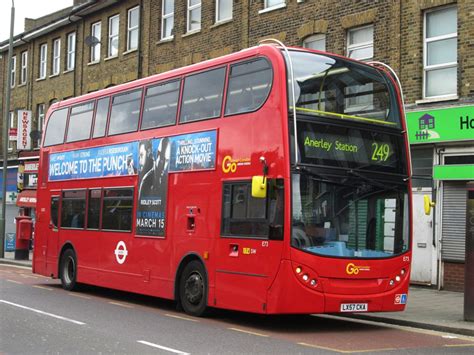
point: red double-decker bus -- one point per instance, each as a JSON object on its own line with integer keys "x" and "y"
{"x": 272, "y": 180}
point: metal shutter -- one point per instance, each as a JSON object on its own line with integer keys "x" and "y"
{"x": 454, "y": 221}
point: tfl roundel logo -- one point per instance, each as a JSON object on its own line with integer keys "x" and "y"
{"x": 121, "y": 252}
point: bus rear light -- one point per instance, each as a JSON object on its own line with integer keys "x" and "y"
{"x": 397, "y": 278}
{"x": 298, "y": 270}
{"x": 305, "y": 277}
{"x": 392, "y": 282}
{"x": 313, "y": 282}
{"x": 402, "y": 272}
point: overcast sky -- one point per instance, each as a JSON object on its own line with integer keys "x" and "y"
{"x": 26, "y": 8}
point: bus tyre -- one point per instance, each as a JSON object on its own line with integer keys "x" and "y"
{"x": 68, "y": 270}
{"x": 193, "y": 289}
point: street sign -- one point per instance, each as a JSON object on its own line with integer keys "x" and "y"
{"x": 10, "y": 242}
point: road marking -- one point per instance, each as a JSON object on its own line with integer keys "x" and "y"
{"x": 162, "y": 347}
{"x": 458, "y": 345}
{"x": 28, "y": 276}
{"x": 347, "y": 351}
{"x": 15, "y": 282}
{"x": 248, "y": 332}
{"x": 180, "y": 317}
{"x": 80, "y": 296}
{"x": 17, "y": 266}
{"x": 43, "y": 288}
{"x": 121, "y": 304}
{"x": 42, "y": 312}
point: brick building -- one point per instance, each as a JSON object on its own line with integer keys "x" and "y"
{"x": 96, "y": 44}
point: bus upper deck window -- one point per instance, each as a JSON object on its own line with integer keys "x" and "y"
{"x": 202, "y": 95}
{"x": 56, "y": 127}
{"x": 249, "y": 86}
{"x": 125, "y": 112}
{"x": 161, "y": 105}
{"x": 100, "y": 122}
{"x": 80, "y": 122}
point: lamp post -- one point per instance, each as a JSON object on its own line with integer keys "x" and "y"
{"x": 6, "y": 125}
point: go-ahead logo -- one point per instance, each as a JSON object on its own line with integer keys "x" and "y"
{"x": 121, "y": 252}
{"x": 352, "y": 269}
{"x": 229, "y": 165}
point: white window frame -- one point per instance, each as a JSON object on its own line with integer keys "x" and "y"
{"x": 315, "y": 38}
{"x": 56, "y": 64}
{"x": 191, "y": 8}
{"x": 164, "y": 18}
{"x": 40, "y": 113}
{"x": 71, "y": 51}
{"x": 13, "y": 72}
{"x": 131, "y": 29}
{"x": 24, "y": 68}
{"x": 43, "y": 61}
{"x": 426, "y": 67}
{"x": 112, "y": 36}
{"x": 218, "y": 6}
{"x": 96, "y": 31}
{"x": 360, "y": 45}
{"x": 267, "y": 7}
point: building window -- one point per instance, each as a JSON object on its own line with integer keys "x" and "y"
{"x": 132, "y": 28}
{"x": 71, "y": 51}
{"x": 13, "y": 72}
{"x": 56, "y": 56}
{"x": 440, "y": 53}
{"x": 194, "y": 15}
{"x": 269, "y": 4}
{"x": 317, "y": 42}
{"x": 95, "y": 48}
{"x": 40, "y": 116}
{"x": 223, "y": 10}
{"x": 42, "y": 62}
{"x": 24, "y": 67}
{"x": 167, "y": 19}
{"x": 114, "y": 35}
{"x": 360, "y": 43}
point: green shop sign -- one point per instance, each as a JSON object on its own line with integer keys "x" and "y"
{"x": 441, "y": 125}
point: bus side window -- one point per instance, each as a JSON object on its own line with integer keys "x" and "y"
{"x": 56, "y": 127}
{"x": 249, "y": 86}
{"x": 117, "y": 209}
{"x": 100, "y": 122}
{"x": 73, "y": 209}
{"x": 80, "y": 122}
{"x": 93, "y": 210}
{"x": 54, "y": 211}
{"x": 161, "y": 105}
{"x": 125, "y": 112}
{"x": 202, "y": 95}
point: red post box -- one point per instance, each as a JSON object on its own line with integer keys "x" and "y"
{"x": 24, "y": 232}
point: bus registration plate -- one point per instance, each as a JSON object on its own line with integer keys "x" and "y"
{"x": 354, "y": 307}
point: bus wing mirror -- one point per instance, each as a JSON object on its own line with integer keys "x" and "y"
{"x": 259, "y": 187}
{"x": 428, "y": 205}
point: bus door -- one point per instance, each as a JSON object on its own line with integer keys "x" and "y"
{"x": 50, "y": 247}
{"x": 250, "y": 245}
{"x": 118, "y": 260}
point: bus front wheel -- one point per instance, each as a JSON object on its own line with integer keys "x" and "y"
{"x": 193, "y": 289}
{"x": 68, "y": 270}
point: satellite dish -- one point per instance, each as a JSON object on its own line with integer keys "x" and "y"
{"x": 91, "y": 41}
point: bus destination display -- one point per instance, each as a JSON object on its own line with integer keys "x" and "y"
{"x": 326, "y": 145}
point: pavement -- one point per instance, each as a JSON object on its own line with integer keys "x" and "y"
{"x": 427, "y": 308}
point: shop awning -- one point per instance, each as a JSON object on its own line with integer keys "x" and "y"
{"x": 26, "y": 198}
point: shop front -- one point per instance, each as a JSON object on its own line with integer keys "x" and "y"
{"x": 442, "y": 146}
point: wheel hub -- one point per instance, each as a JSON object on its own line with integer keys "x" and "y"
{"x": 194, "y": 288}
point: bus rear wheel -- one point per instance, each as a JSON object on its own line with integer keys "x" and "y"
{"x": 68, "y": 270}
{"x": 193, "y": 289}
